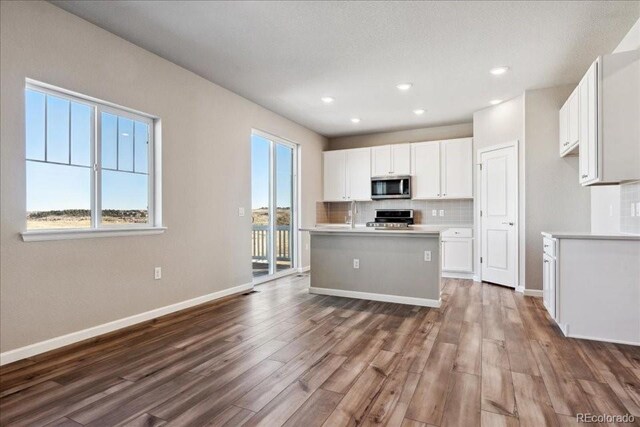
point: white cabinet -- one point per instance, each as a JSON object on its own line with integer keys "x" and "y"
{"x": 334, "y": 178}
{"x": 456, "y": 168}
{"x": 608, "y": 125}
{"x": 457, "y": 250}
{"x": 347, "y": 175}
{"x": 391, "y": 160}
{"x": 549, "y": 281}
{"x": 588, "y": 125}
{"x": 442, "y": 169}
{"x": 570, "y": 124}
{"x": 425, "y": 170}
{"x": 358, "y": 171}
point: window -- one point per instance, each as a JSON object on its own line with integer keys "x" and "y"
{"x": 89, "y": 165}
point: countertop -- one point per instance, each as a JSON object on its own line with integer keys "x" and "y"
{"x": 588, "y": 235}
{"x": 432, "y": 230}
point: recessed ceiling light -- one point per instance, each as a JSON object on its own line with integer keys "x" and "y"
{"x": 355, "y": 120}
{"x": 327, "y": 99}
{"x": 418, "y": 112}
{"x": 404, "y": 86}
{"x": 496, "y": 71}
{"x": 495, "y": 101}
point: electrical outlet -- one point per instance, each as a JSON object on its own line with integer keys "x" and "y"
{"x": 434, "y": 212}
{"x": 356, "y": 263}
{"x": 441, "y": 212}
{"x": 306, "y": 246}
{"x": 427, "y": 256}
{"x": 240, "y": 211}
{"x": 157, "y": 274}
{"x": 638, "y": 209}
{"x": 633, "y": 209}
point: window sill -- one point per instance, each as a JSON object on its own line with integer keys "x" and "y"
{"x": 43, "y": 235}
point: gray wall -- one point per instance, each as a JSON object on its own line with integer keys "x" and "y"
{"x": 496, "y": 125}
{"x": 462, "y": 130}
{"x": 48, "y": 289}
{"x": 554, "y": 198}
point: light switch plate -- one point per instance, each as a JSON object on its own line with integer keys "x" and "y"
{"x": 240, "y": 211}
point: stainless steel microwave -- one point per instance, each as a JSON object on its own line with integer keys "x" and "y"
{"x": 391, "y": 187}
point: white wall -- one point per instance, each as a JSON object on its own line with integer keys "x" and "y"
{"x": 496, "y": 125}
{"x": 48, "y": 289}
{"x": 554, "y": 198}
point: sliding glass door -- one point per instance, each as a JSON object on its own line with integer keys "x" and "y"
{"x": 273, "y": 204}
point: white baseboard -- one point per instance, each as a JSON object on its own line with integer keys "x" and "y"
{"x": 74, "y": 337}
{"x": 425, "y": 302}
{"x": 454, "y": 275}
{"x": 304, "y": 269}
{"x": 537, "y": 293}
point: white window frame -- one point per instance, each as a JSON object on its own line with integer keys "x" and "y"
{"x": 97, "y": 229}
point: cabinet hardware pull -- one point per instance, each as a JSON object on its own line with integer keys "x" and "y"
{"x": 584, "y": 176}
{"x": 546, "y": 260}
{"x": 546, "y": 246}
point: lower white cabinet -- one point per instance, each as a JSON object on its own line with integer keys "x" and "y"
{"x": 457, "y": 250}
{"x": 549, "y": 284}
{"x": 549, "y": 290}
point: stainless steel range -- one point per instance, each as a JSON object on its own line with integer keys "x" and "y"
{"x": 392, "y": 219}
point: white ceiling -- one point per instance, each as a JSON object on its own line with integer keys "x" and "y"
{"x": 286, "y": 55}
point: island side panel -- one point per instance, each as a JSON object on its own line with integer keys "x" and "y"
{"x": 389, "y": 265}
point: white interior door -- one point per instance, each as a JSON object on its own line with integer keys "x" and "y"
{"x": 499, "y": 213}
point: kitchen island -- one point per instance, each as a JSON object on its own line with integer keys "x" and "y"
{"x": 400, "y": 266}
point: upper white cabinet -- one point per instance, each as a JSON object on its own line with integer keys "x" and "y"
{"x": 358, "y": 171}
{"x": 589, "y": 125}
{"x": 391, "y": 160}
{"x": 347, "y": 175}
{"x": 456, "y": 167}
{"x": 334, "y": 175}
{"x": 442, "y": 169}
{"x": 425, "y": 170}
{"x": 570, "y": 124}
{"x": 608, "y": 120}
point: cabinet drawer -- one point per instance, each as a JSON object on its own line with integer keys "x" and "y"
{"x": 457, "y": 232}
{"x": 549, "y": 246}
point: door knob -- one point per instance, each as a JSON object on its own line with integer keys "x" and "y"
{"x": 507, "y": 223}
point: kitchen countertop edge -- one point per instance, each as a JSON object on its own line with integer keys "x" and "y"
{"x": 587, "y": 235}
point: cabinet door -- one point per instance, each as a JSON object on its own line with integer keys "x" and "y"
{"x": 425, "y": 170}
{"x": 549, "y": 284}
{"x": 457, "y": 255}
{"x": 564, "y": 127}
{"x": 456, "y": 168}
{"x": 334, "y": 163}
{"x": 588, "y": 126}
{"x": 401, "y": 159}
{"x": 381, "y": 161}
{"x": 358, "y": 172}
{"x": 574, "y": 119}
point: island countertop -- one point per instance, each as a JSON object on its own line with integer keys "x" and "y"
{"x": 588, "y": 235}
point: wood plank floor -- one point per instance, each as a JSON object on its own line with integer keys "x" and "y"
{"x": 280, "y": 356}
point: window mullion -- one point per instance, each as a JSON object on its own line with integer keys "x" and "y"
{"x": 97, "y": 168}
